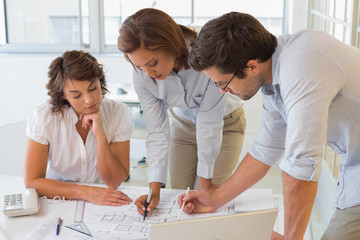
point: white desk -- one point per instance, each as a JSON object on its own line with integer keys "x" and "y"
{"x": 130, "y": 98}
{"x": 17, "y": 228}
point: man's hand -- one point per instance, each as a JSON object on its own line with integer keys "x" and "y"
{"x": 197, "y": 202}
{"x": 276, "y": 236}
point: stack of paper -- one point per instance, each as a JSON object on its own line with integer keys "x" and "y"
{"x": 254, "y": 199}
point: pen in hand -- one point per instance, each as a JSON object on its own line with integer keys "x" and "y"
{"x": 147, "y": 203}
{"x": 58, "y": 226}
{"x": 183, "y": 204}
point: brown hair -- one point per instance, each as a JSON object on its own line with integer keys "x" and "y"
{"x": 229, "y": 42}
{"x": 73, "y": 65}
{"x": 153, "y": 29}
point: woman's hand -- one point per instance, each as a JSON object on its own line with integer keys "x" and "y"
{"x": 94, "y": 121}
{"x": 106, "y": 196}
{"x": 141, "y": 201}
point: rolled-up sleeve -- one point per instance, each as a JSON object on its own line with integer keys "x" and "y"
{"x": 209, "y": 128}
{"x": 269, "y": 144}
{"x": 157, "y": 123}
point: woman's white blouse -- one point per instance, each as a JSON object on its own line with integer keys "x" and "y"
{"x": 69, "y": 159}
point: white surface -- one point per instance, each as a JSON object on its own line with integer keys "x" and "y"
{"x": 254, "y": 199}
{"x": 18, "y": 228}
{"x": 3, "y": 235}
{"x": 122, "y": 222}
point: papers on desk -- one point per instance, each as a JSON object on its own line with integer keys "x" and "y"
{"x": 123, "y": 222}
{"x": 254, "y": 199}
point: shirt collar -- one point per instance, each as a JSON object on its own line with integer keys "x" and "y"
{"x": 72, "y": 115}
{"x": 268, "y": 89}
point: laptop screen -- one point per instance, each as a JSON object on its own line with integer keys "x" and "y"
{"x": 256, "y": 225}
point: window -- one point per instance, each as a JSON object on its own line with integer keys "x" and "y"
{"x": 190, "y": 13}
{"x": 269, "y": 13}
{"x": 2, "y": 24}
{"x": 339, "y": 18}
{"x": 58, "y": 25}
{"x": 116, "y": 11}
{"x": 41, "y": 25}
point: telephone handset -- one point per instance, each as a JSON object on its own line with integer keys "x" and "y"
{"x": 24, "y": 203}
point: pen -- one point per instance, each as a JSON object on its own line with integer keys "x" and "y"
{"x": 147, "y": 203}
{"x": 58, "y": 226}
{"x": 182, "y": 207}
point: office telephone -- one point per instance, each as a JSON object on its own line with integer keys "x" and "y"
{"x": 24, "y": 203}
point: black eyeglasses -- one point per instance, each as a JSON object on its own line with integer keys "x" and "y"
{"x": 218, "y": 84}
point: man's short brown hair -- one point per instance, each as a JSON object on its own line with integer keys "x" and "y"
{"x": 229, "y": 42}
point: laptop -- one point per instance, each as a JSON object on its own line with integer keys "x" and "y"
{"x": 250, "y": 225}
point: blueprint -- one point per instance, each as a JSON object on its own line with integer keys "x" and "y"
{"x": 123, "y": 222}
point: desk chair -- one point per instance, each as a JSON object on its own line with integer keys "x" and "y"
{"x": 12, "y": 148}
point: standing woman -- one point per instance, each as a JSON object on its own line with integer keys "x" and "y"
{"x": 77, "y": 136}
{"x": 205, "y": 124}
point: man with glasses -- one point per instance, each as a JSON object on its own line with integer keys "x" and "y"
{"x": 220, "y": 84}
{"x": 310, "y": 84}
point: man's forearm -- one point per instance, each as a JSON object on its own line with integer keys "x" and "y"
{"x": 249, "y": 172}
{"x": 299, "y": 199}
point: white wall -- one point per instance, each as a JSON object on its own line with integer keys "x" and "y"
{"x": 297, "y": 11}
{"x": 23, "y": 79}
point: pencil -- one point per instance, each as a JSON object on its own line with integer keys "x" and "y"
{"x": 182, "y": 207}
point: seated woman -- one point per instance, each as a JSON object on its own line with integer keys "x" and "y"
{"x": 78, "y": 136}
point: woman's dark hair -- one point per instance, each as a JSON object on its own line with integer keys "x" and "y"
{"x": 153, "y": 29}
{"x": 229, "y": 42}
{"x": 73, "y": 65}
